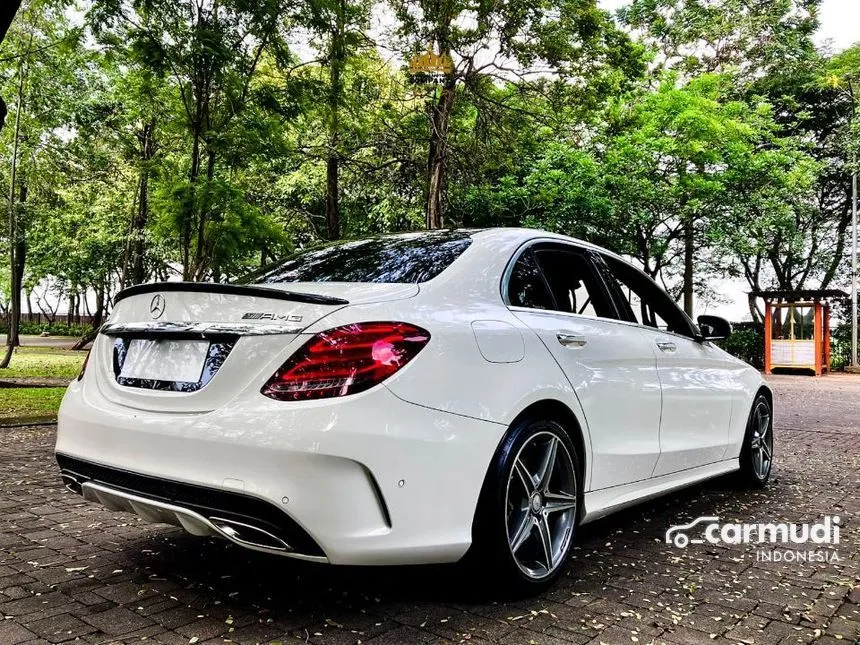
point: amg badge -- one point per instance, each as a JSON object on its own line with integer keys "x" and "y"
{"x": 256, "y": 315}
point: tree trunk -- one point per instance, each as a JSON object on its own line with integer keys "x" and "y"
{"x": 71, "y": 310}
{"x": 755, "y": 314}
{"x": 689, "y": 253}
{"x": 97, "y": 320}
{"x": 15, "y": 242}
{"x": 18, "y": 280}
{"x": 189, "y": 206}
{"x": 137, "y": 236}
{"x": 20, "y": 257}
{"x": 332, "y": 198}
{"x": 337, "y": 59}
{"x": 202, "y": 252}
{"x": 752, "y": 275}
{"x": 198, "y": 119}
{"x": 440, "y": 118}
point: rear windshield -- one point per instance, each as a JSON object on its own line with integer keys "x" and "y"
{"x": 414, "y": 257}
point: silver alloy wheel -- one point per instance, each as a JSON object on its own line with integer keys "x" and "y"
{"x": 541, "y": 505}
{"x": 761, "y": 442}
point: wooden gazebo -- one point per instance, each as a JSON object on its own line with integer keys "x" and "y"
{"x": 797, "y": 328}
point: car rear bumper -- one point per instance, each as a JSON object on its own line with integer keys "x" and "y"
{"x": 245, "y": 520}
{"x": 366, "y": 479}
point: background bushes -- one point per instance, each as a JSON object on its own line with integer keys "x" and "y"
{"x": 746, "y": 342}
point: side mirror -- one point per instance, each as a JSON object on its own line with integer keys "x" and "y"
{"x": 714, "y": 327}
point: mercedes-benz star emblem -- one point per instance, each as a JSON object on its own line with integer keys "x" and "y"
{"x": 156, "y": 305}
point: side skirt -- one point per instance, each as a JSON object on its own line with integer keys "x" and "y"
{"x": 600, "y": 503}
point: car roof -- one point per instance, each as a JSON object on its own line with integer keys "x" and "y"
{"x": 501, "y": 236}
{"x": 521, "y": 235}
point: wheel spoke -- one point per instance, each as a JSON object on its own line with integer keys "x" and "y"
{"x": 766, "y": 449}
{"x": 760, "y": 463}
{"x": 547, "y": 465}
{"x": 763, "y": 423}
{"x": 556, "y": 502}
{"x": 546, "y": 540}
{"x": 524, "y": 530}
{"x": 525, "y": 476}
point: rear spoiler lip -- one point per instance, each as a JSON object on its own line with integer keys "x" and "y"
{"x": 229, "y": 289}
{"x": 166, "y": 329}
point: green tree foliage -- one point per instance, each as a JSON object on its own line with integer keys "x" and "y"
{"x": 42, "y": 76}
{"x": 698, "y": 36}
{"x": 689, "y": 166}
{"x": 843, "y": 79}
{"x": 805, "y": 245}
{"x": 665, "y": 162}
{"x": 573, "y": 41}
{"x": 750, "y": 40}
{"x": 339, "y": 33}
{"x": 210, "y": 50}
{"x": 203, "y": 138}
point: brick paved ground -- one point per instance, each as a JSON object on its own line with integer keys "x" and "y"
{"x": 71, "y": 571}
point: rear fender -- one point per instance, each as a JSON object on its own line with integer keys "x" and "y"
{"x": 451, "y": 374}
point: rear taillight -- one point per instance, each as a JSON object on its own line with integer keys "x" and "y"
{"x": 346, "y": 360}
{"x": 84, "y": 365}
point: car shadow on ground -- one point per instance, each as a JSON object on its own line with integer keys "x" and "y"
{"x": 233, "y": 577}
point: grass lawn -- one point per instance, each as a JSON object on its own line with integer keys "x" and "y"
{"x": 29, "y": 402}
{"x": 44, "y": 362}
{"x": 23, "y": 403}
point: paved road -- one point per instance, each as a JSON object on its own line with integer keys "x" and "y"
{"x": 62, "y": 342}
{"x": 828, "y": 404}
{"x": 71, "y": 571}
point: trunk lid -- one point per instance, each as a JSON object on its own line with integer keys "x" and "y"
{"x": 191, "y": 347}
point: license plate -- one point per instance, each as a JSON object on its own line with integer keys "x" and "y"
{"x": 165, "y": 360}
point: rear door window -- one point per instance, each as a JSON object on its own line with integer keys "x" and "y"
{"x": 527, "y": 287}
{"x": 558, "y": 278}
{"x": 574, "y": 285}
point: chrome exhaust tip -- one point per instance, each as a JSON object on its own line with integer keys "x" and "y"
{"x": 248, "y": 535}
{"x": 71, "y": 482}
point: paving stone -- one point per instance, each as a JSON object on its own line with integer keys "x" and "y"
{"x": 687, "y": 636}
{"x": 175, "y": 617}
{"x": 61, "y": 628}
{"x": 848, "y": 629}
{"x": 34, "y": 603}
{"x": 400, "y": 635}
{"x": 524, "y": 636}
{"x": 203, "y": 628}
{"x": 13, "y": 634}
{"x": 125, "y": 593}
{"x": 117, "y": 620}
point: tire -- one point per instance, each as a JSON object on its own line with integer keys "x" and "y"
{"x": 756, "y": 458}
{"x": 516, "y": 519}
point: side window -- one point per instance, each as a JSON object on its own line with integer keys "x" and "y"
{"x": 643, "y": 313}
{"x": 526, "y": 287}
{"x": 574, "y": 285}
{"x": 649, "y": 305}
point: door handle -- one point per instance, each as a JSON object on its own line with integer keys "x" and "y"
{"x": 571, "y": 340}
{"x": 666, "y": 346}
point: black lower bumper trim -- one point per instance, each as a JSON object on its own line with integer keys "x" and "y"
{"x": 206, "y": 501}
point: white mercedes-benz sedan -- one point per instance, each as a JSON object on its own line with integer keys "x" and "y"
{"x": 426, "y": 397}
